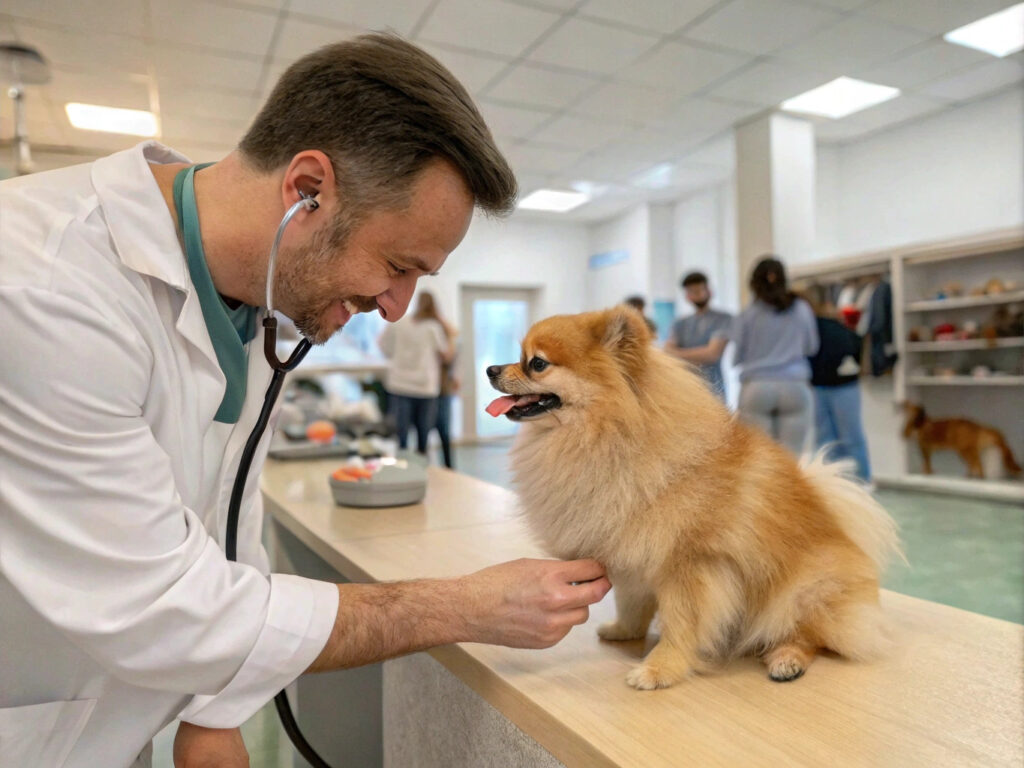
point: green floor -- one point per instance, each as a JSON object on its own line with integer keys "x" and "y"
{"x": 961, "y": 552}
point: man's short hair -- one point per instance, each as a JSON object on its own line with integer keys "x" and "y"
{"x": 381, "y": 109}
{"x": 694, "y": 278}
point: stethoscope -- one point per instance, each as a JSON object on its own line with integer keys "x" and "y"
{"x": 280, "y": 368}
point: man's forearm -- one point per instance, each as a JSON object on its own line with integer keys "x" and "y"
{"x": 380, "y": 621}
{"x": 523, "y": 604}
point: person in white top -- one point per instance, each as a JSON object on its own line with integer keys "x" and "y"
{"x": 416, "y": 347}
{"x": 119, "y": 611}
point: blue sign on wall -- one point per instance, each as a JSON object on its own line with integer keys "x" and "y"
{"x": 599, "y": 260}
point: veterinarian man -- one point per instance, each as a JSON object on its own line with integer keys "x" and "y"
{"x": 132, "y": 374}
{"x": 701, "y": 338}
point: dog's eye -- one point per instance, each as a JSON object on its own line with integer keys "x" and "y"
{"x": 537, "y": 364}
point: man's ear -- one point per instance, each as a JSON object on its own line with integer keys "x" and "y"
{"x": 310, "y": 172}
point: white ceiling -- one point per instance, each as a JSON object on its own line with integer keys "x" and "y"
{"x": 601, "y": 91}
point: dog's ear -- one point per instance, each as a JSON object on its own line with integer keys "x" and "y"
{"x": 626, "y": 336}
{"x": 624, "y": 328}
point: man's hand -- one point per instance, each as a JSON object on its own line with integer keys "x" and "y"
{"x": 532, "y": 603}
{"x": 198, "y": 747}
{"x": 524, "y": 604}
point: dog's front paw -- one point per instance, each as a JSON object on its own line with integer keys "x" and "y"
{"x": 613, "y": 630}
{"x": 647, "y": 677}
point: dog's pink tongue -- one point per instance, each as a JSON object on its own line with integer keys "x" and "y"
{"x": 501, "y": 406}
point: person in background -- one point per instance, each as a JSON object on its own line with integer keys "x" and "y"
{"x": 835, "y": 372}
{"x": 701, "y": 338}
{"x": 416, "y": 348}
{"x": 449, "y": 387}
{"x": 774, "y": 336}
{"x": 638, "y": 303}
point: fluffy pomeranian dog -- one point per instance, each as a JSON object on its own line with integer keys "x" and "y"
{"x": 625, "y": 456}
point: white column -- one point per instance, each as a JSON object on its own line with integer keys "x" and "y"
{"x": 774, "y": 191}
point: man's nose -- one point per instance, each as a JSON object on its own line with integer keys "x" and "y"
{"x": 494, "y": 371}
{"x": 393, "y": 303}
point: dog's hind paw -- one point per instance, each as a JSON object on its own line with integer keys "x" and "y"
{"x": 648, "y": 677}
{"x": 613, "y": 630}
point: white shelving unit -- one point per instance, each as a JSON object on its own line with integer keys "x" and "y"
{"x": 966, "y": 381}
{"x": 917, "y": 273}
{"x": 953, "y": 346}
{"x": 964, "y": 302}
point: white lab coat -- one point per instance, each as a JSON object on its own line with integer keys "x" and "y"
{"x": 118, "y": 609}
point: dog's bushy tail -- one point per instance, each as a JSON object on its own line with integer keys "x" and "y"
{"x": 860, "y": 516}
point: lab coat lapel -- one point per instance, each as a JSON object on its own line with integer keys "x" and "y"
{"x": 148, "y": 244}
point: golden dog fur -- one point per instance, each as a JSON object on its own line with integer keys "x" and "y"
{"x": 697, "y": 516}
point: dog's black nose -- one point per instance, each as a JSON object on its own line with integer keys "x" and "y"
{"x": 493, "y": 370}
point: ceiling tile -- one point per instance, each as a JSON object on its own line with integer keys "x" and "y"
{"x": 592, "y": 47}
{"x": 299, "y": 37}
{"x": 217, "y": 27}
{"x": 538, "y": 158}
{"x": 618, "y": 161}
{"x": 177, "y": 67}
{"x": 897, "y": 111}
{"x": 761, "y": 26}
{"x": 769, "y": 82}
{"x": 119, "y": 17}
{"x": 661, "y": 16}
{"x": 121, "y": 91}
{"x": 472, "y": 70}
{"x": 934, "y": 16}
{"x": 511, "y": 122}
{"x": 844, "y": 5}
{"x": 681, "y": 69}
{"x": 398, "y": 15}
{"x": 99, "y": 141}
{"x": 580, "y": 133}
{"x": 536, "y": 86}
{"x": 720, "y": 151}
{"x": 852, "y": 42}
{"x": 703, "y": 117}
{"x": 837, "y": 131}
{"x": 206, "y": 103}
{"x": 197, "y": 152}
{"x": 923, "y": 64}
{"x": 86, "y": 49}
{"x": 976, "y": 81}
{"x": 494, "y": 27}
{"x": 622, "y": 101}
{"x": 205, "y": 129}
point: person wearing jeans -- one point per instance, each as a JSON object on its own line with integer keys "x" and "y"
{"x": 835, "y": 373}
{"x": 773, "y": 337}
{"x": 415, "y": 347}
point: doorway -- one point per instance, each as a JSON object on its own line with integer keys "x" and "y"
{"x": 494, "y": 321}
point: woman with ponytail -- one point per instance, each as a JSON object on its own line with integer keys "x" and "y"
{"x": 773, "y": 338}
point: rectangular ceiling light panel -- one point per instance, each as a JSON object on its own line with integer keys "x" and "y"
{"x": 839, "y": 98}
{"x": 1000, "y": 34}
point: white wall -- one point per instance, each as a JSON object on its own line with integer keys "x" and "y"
{"x": 957, "y": 173}
{"x": 609, "y": 285}
{"x": 551, "y": 256}
{"x": 704, "y": 239}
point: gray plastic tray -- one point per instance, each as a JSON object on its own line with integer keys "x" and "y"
{"x": 391, "y": 486}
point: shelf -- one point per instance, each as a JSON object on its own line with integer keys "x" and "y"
{"x": 952, "y": 346}
{"x": 994, "y": 490}
{"x": 962, "y": 302}
{"x": 966, "y": 381}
